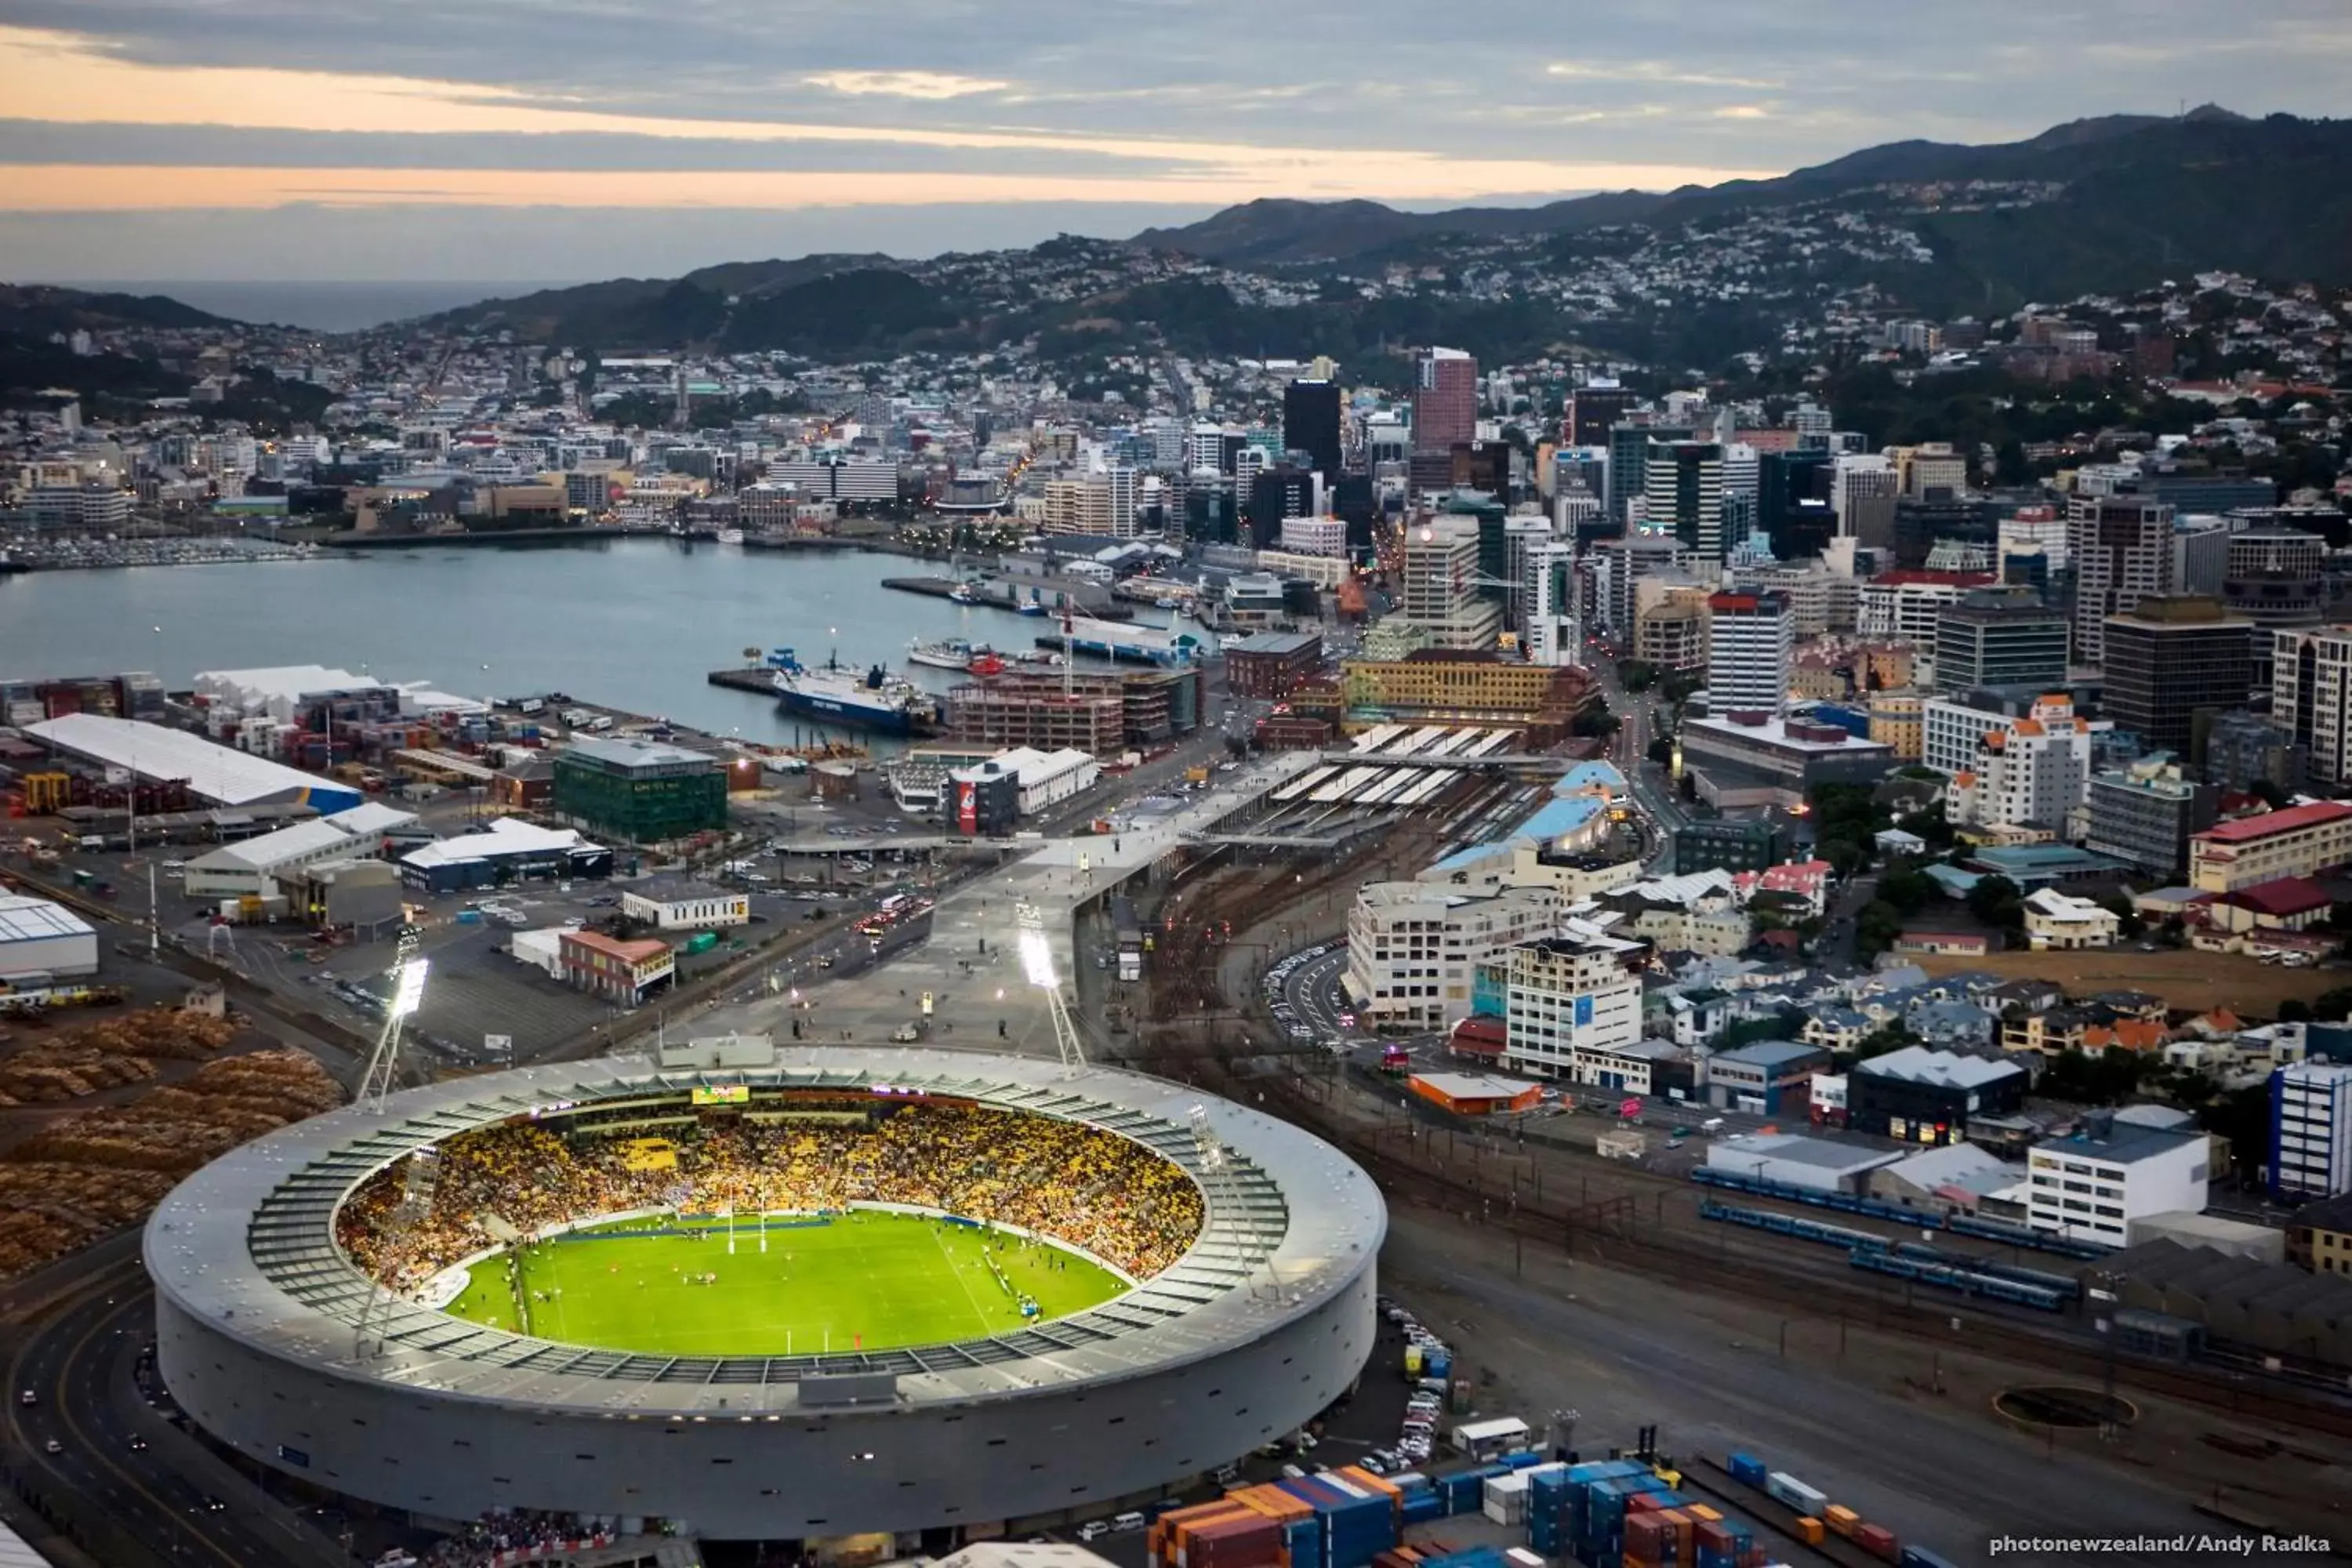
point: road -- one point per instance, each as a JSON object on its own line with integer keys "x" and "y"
{"x": 136, "y": 1489}
{"x": 1660, "y": 808}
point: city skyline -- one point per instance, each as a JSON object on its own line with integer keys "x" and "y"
{"x": 439, "y": 141}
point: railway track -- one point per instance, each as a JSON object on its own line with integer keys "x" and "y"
{"x": 1612, "y": 1228}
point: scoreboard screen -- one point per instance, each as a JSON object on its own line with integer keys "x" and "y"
{"x": 723, "y": 1094}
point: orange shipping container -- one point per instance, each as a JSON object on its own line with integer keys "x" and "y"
{"x": 1370, "y": 1481}
{"x": 1809, "y": 1530}
{"x": 1841, "y": 1520}
{"x": 1273, "y": 1502}
{"x": 1700, "y": 1510}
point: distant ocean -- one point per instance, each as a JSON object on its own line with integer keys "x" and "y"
{"x": 326, "y": 307}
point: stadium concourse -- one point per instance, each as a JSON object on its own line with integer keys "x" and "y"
{"x": 970, "y": 964}
{"x": 1245, "y": 1249}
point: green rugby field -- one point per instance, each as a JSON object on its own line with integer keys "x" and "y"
{"x": 867, "y": 1279}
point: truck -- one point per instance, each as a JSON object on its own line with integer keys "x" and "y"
{"x": 702, "y": 941}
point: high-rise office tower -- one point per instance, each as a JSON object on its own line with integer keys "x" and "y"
{"x": 1792, "y": 502}
{"x": 2168, "y": 659}
{"x": 1748, "y": 640}
{"x": 1555, "y": 632}
{"x": 2311, "y": 696}
{"x": 1440, "y": 587}
{"x": 1310, "y": 423}
{"x": 1683, "y": 483}
{"x": 2272, "y": 576}
{"x": 2121, "y": 548}
{"x": 1628, "y": 454}
{"x": 1593, "y": 410}
{"x": 1445, "y": 400}
{"x": 1863, "y": 494}
{"x": 1999, "y": 637}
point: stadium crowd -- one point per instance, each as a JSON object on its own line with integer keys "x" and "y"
{"x": 1093, "y": 1189}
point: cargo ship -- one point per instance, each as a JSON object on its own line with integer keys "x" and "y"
{"x": 831, "y": 694}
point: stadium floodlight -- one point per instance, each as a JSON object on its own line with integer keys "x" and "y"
{"x": 1037, "y": 961}
{"x": 408, "y": 988}
{"x": 1037, "y": 965}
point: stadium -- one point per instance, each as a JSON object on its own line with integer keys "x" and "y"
{"x": 853, "y": 1291}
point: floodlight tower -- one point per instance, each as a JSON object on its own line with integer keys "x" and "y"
{"x": 407, "y": 995}
{"x": 416, "y": 1187}
{"x": 1037, "y": 964}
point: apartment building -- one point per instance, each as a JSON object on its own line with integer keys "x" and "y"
{"x": 1413, "y": 947}
{"x": 2123, "y": 552}
{"x": 2311, "y": 696}
{"x": 2032, "y": 770}
{"x": 2311, "y": 1130}
{"x": 1572, "y": 1000}
{"x": 2300, "y": 841}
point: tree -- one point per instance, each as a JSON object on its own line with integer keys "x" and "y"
{"x": 1929, "y": 825}
{"x": 1875, "y": 928}
{"x": 1634, "y": 674}
{"x": 2334, "y": 1006}
{"x": 2269, "y": 793}
{"x": 1907, "y": 888}
{"x": 2294, "y": 1010}
{"x": 1995, "y": 901}
{"x": 1891, "y": 1036}
{"x": 1661, "y": 752}
{"x": 1595, "y": 722}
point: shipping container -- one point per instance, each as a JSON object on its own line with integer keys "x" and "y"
{"x": 1810, "y": 1531}
{"x": 1920, "y": 1557}
{"x": 1841, "y": 1520}
{"x": 1786, "y": 1487}
{"x": 1879, "y": 1542}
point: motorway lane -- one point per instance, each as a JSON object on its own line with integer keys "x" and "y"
{"x": 133, "y": 1506}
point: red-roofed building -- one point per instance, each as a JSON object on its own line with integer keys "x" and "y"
{"x": 2289, "y": 903}
{"x": 2299, "y": 841}
{"x": 1479, "y": 1038}
{"x": 626, "y": 972}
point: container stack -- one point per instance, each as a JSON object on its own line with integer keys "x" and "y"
{"x": 1506, "y": 1497}
{"x": 1357, "y": 1513}
{"x": 1221, "y": 1534}
{"x": 1421, "y": 1500}
{"x": 1302, "y": 1528}
{"x": 1720, "y": 1543}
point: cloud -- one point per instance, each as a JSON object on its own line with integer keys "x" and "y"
{"x": 1650, "y": 72}
{"x": 1743, "y": 112}
{"x": 928, "y": 85}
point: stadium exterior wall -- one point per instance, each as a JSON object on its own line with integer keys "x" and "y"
{"x": 1235, "y": 1345}
{"x": 931, "y": 1466}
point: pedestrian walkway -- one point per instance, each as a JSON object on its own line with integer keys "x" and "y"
{"x": 970, "y": 965}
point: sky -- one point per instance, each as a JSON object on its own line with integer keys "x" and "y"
{"x": 542, "y": 140}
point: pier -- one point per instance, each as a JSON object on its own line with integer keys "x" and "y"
{"x": 993, "y": 596}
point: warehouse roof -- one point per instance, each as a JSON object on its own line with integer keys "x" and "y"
{"x": 37, "y": 920}
{"x": 507, "y": 836}
{"x": 271, "y": 850}
{"x": 216, "y": 772}
{"x": 1733, "y": 1153}
{"x": 372, "y": 816}
{"x": 1274, "y": 644}
{"x": 1948, "y": 1068}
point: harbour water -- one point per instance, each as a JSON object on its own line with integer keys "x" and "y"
{"x": 632, "y": 623}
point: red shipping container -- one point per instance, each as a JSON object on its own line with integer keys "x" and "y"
{"x": 1643, "y": 1502}
{"x": 1714, "y": 1537}
{"x": 1648, "y": 1537}
{"x": 1879, "y": 1542}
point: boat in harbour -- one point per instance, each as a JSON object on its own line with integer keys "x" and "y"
{"x": 946, "y": 653}
{"x": 731, "y": 536}
{"x": 832, "y": 693}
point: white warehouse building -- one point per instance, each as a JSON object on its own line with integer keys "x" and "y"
{"x": 38, "y": 937}
{"x": 1048, "y": 778}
